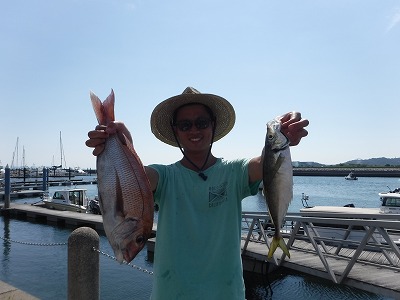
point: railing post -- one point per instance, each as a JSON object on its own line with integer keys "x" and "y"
{"x": 83, "y": 265}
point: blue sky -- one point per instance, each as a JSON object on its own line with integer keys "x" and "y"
{"x": 335, "y": 61}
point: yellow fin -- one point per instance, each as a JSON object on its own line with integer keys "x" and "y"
{"x": 274, "y": 244}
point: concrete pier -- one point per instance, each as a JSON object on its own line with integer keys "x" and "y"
{"x": 9, "y": 292}
{"x": 342, "y": 172}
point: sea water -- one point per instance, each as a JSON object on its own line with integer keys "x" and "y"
{"x": 32, "y": 260}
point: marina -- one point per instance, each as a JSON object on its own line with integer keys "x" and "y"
{"x": 304, "y": 258}
{"x": 343, "y": 261}
{"x": 368, "y": 263}
{"x": 20, "y": 189}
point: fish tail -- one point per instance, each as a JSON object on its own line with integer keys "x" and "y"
{"x": 104, "y": 111}
{"x": 278, "y": 241}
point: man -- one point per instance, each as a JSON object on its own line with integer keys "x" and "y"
{"x": 197, "y": 253}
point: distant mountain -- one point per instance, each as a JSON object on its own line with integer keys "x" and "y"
{"x": 376, "y": 162}
{"x": 379, "y": 161}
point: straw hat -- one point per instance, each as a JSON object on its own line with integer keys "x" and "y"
{"x": 162, "y": 115}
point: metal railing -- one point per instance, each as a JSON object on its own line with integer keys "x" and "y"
{"x": 328, "y": 236}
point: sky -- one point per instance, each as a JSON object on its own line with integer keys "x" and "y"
{"x": 335, "y": 61}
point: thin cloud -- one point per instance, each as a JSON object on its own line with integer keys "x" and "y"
{"x": 394, "y": 20}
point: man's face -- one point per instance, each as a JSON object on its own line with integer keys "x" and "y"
{"x": 193, "y": 128}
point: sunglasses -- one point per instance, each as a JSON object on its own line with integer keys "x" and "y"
{"x": 200, "y": 123}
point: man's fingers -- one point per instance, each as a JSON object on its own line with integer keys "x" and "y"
{"x": 98, "y": 150}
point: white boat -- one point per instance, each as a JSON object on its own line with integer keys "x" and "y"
{"x": 351, "y": 176}
{"x": 67, "y": 199}
{"x": 390, "y": 202}
{"x": 390, "y": 208}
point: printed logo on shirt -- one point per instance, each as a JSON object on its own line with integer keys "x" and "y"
{"x": 217, "y": 195}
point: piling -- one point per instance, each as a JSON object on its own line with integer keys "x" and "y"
{"x": 83, "y": 265}
{"x": 7, "y": 187}
{"x": 45, "y": 179}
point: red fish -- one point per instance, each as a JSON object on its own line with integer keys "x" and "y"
{"x": 125, "y": 196}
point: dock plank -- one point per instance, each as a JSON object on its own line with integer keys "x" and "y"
{"x": 68, "y": 218}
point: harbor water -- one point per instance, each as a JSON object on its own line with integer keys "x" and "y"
{"x": 34, "y": 255}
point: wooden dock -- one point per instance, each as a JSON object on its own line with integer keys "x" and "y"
{"x": 370, "y": 263}
{"x": 23, "y": 194}
{"x": 67, "y": 219}
{"x": 370, "y": 267}
{"x": 368, "y": 274}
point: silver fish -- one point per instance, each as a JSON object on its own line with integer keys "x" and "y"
{"x": 277, "y": 181}
{"x": 125, "y": 196}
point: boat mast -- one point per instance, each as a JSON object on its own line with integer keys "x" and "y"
{"x": 23, "y": 157}
{"x": 62, "y": 153}
{"x": 15, "y": 152}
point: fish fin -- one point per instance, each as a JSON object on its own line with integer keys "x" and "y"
{"x": 275, "y": 169}
{"x": 104, "y": 111}
{"x": 108, "y": 106}
{"x": 137, "y": 162}
{"x": 126, "y": 141}
{"x": 119, "y": 203}
{"x": 272, "y": 247}
{"x": 97, "y": 107}
{"x": 130, "y": 147}
{"x": 275, "y": 243}
{"x": 278, "y": 164}
{"x": 282, "y": 245}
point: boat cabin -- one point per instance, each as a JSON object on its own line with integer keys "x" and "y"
{"x": 351, "y": 176}
{"x": 390, "y": 202}
{"x": 68, "y": 199}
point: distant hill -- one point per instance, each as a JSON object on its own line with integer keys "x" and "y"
{"x": 371, "y": 162}
{"x": 379, "y": 161}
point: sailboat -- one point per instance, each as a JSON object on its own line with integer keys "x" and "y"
{"x": 59, "y": 170}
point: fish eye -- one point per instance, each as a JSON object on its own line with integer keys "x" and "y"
{"x": 140, "y": 239}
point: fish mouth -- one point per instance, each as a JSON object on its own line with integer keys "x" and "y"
{"x": 133, "y": 248}
{"x": 128, "y": 239}
{"x": 130, "y": 252}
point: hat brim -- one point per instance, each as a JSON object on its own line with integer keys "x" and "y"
{"x": 161, "y": 117}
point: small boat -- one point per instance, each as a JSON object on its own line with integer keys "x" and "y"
{"x": 390, "y": 205}
{"x": 351, "y": 176}
{"x": 390, "y": 201}
{"x": 67, "y": 199}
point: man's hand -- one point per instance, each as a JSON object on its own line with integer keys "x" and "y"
{"x": 292, "y": 125}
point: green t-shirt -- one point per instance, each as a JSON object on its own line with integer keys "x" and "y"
{"x": 197, "y": 254}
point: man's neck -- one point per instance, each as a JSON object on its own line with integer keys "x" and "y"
{"x": 199, "y": 161}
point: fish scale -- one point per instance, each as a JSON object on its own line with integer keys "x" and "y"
{"x": 125, "y": 176}
{"x": 125, "y": 196}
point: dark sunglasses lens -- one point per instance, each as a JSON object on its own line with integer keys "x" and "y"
{"x": 202, "y": 123}
{"x": 184, "y": 125}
